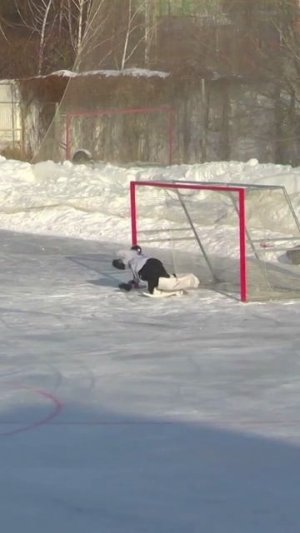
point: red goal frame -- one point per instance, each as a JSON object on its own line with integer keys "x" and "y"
{"x": 241, "y": 195}
{"x": 170, "y": 113}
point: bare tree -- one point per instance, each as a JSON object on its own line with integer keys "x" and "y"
{"x": 2, "y": 31}
{"x": 93, "y": 23}
{"x": 38, "y": 17}
{"x": 140, "y": 31}
{"x": 273, "y": 39}
{"x": 118, "y": 35}
{"x": 75, "y": 13}
{"x": 133, "y": 23}
{"x": 59, "y": 23}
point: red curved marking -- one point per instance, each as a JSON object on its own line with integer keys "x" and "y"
{"x": 57, "y": 408}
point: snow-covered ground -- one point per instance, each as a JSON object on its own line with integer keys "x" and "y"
{"x": 121, "y": 414}
{"x": 92, "y": 202}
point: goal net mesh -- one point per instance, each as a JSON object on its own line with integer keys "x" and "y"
{"x": 200, "y": 231}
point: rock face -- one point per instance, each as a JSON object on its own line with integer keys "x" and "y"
{"x": 294, "y": 255}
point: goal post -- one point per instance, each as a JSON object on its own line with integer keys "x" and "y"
{"x": 86, "y": 128}
{"x": 228, "y": 232}
{"x": 195, "y": 187}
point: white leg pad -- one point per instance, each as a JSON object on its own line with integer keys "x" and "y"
{"x": 182, "y": 282}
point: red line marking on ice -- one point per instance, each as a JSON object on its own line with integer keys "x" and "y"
{"x": 57, "y": 408}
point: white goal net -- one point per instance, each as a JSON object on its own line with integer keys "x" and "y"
{"x": 233, "y": 237}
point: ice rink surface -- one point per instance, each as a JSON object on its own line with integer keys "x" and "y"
{"x": 122, "y": 414}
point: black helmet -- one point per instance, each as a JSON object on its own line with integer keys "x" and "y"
{"x": 137, "y": 248}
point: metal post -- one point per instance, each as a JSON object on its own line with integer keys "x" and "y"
{"x": 133, "y": 211}
{"x": 243, "y": 260}
{"x": 196, "y": 235}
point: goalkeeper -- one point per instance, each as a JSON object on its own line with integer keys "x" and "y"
{"x": 152, "y": 271}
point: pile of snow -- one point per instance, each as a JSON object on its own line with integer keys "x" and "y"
{"x": 108, "y": 73}
{"x": 92, "y": 201}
